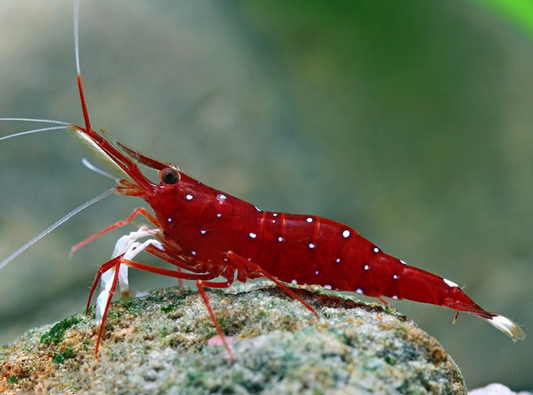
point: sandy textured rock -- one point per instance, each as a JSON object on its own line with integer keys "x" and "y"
{"x": 158, "y": 344}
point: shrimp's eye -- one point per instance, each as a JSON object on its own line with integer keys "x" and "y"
{"x": 169, "y": 176}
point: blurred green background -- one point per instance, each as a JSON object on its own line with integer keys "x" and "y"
{"x": 411, "y": 121}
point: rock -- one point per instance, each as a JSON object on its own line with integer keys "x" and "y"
{"x": 496, "y": 389}
{"x": 158, "y": 344}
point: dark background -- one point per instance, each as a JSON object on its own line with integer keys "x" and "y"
{"x": 410, "y": 121}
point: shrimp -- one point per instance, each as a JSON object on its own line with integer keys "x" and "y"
{"x": 207, "y": 234}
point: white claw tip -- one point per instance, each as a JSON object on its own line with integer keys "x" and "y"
{"x": 508, "y": 327}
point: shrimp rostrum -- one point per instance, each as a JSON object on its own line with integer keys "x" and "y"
{"x": 212, "y": 238}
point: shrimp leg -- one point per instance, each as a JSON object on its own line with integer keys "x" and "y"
{"x": 244, "y": 264}
{"x": 104, "y": 299}
{"x": 213, "y": 284}
{"x": 140, "y": 210}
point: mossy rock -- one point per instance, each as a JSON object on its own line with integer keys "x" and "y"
{"x": 159, "y": 344}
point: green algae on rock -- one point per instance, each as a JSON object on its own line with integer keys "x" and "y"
{"x": 158, "y": 344}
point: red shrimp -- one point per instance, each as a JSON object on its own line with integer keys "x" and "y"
{"x": 207, "y": 233}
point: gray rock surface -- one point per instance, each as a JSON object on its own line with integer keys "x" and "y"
{"x": 158, "y": 344}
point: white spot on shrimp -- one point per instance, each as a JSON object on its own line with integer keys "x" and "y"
{"x": 249, "y": 259}
{"x": 311, "y": 245}
{"x": 169, "y": 220}
{"x": 225, "y": 259}
{"x": 221, "y": 198}
{"x": 367, "y": 267}
{"x": 376, "y": 250}
{"x": 253, "y": 235}
{"x": 395, "y": 297}
{"x": 189, "y": 196}
{"x": 203, "y": 232}
{"x": 273, "y": 221}
{"x": 219, "y": 215}
{"x": 309, "y": 219}
{"x": 274, "y": 214}
{"x": 317, "y": 272}
{"x": 338, "y": 260}
{"x": 193, "y": 252}
{"x": 359, "y": 291}
{"x": 395, "y": 277}
{"x": 403, "y": 262}
{"x": 280, "y": 239}
{"x": 450, "y": 283}
{"x": 346, "y": 233}
{"x": 327, "y": 286}
{"x": 294, "y": 282}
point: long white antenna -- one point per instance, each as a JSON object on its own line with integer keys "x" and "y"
{"x": 51, "y": 228}
{"x": 64, "y": 127}
{"x": 76, "y": 35}
{"x": 36, "y": 120}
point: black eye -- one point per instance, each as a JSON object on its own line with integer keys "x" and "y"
{"x": 169, "y": 176}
